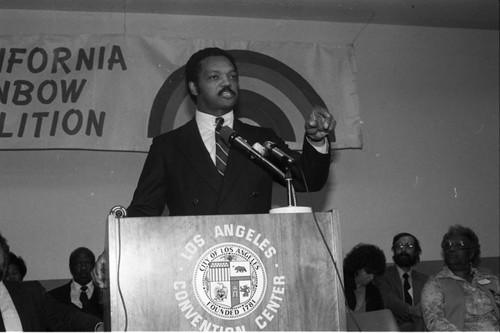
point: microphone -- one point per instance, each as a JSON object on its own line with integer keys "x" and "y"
{"x": 272, "y": 148}
{"x": 231, "y": 137}
{"x": 260, "y": 148}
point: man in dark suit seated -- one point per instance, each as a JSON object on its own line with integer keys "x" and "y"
{"x": 401, "y": 285}
{"x": 81, "y": 291}
{"x": 186, "y": 171}
{"x": 25, "y": 306}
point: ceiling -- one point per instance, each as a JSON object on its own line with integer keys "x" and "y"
{"x": 469, "y": 14}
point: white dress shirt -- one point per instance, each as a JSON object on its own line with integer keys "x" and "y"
{"x": 75, "y": 292}
{"x": 410, "y": 281}
{"x": 206, "y": 126}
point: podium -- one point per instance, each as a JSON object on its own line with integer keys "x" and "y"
{"x": 269, "y": 272}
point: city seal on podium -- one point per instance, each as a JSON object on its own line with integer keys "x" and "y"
{"x": 229, "y": 281}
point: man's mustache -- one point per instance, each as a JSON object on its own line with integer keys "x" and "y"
{"x": 226, "y": 89}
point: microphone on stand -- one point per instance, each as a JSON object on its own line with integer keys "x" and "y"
{"x": 260, "y": 148}
{"x": 232, "y": 138}
{"x": 273, "y": 149}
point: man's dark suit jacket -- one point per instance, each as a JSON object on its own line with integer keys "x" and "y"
{"x": 179, "y": 172}
{"x": 63, "y": 295}
{"x": 390, "y": 286}
{"x": 39, "y": 311}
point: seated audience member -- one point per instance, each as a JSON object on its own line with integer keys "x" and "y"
{"x": 26, "y": 306}
{"x": 401, "y": 285}
{"x": 17, "y": 268}
{"x": 81, "y": 291}
{"x": 361, "y": 265}
{"x": 460, "y": 297}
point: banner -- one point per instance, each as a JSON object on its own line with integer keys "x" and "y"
{"x": 116, "y": 92}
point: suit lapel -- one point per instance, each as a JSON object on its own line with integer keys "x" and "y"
{"x": 67, "y": 292}
{"x": 236, "y": 164}
{"x": 18, "y": 298}
{"x": 192, "y": 148}
{"x": 397, "y": 281}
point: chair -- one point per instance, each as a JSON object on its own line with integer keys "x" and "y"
{"x": 373, "y": 321}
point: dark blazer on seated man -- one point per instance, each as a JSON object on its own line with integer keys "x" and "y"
{"x": 63, "y": 295}
{"x": 26, "y": 306}
{"x": 390, "y": 287}
{"x": 405, "y": 305}
{"x": 80, "y": 292}
{"x": 39, "y": 311}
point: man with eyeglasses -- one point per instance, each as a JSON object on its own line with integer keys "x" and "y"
{"x": 401, "y": 285}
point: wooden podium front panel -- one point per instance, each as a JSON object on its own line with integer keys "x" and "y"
{"x": 266, "y": 272}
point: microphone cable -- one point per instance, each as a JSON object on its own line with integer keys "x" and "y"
{"x": 120, "y": 212}
{"x": 330, "y": 253}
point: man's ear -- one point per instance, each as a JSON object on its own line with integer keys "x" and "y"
{"x": 193, "y": 88}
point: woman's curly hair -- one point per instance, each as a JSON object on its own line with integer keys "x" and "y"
{"x": 459, "y": 230}
{"x": 367, "y": 256}
{"x": 372, "y": 259}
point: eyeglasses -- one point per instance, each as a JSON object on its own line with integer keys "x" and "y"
{"x": 400, "y": 246}
{"x": 448, "y": 244}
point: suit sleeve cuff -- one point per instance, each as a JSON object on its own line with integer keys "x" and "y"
{"x": 322, "y": 149}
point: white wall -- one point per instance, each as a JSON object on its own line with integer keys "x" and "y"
{"x": 429, "y": 103}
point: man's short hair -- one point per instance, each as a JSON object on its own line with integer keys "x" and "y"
{"x": 193, "y": 67}
{"x": 75, "y": 253}
{"x": 418, "y": 249}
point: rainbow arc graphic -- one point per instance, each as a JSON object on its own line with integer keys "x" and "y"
{"x": 271, "y": 95}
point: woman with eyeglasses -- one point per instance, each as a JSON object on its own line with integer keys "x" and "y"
{"x": 460, "y": 297}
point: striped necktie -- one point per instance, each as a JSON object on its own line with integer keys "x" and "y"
{"x": 221, "y": 149}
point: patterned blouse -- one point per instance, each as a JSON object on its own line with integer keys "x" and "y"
{"x": 480, "y": 312}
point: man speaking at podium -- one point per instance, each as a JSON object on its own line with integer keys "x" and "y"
{"x": 181, "y": 169}
{"x": 186, "y": 169}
